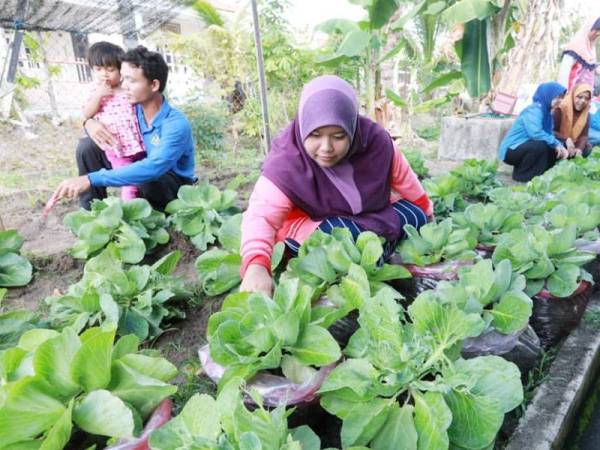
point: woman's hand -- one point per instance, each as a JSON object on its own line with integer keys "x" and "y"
{"x": 100, "y": 134}
{"x": 571, "y": 147}
{"x": 257, "y": 279}
{"x": 561, "y": 152}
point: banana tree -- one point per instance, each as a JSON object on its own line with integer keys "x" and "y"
{"x": 424, "y": 77}
{"x": 474, "y": 15}
{"x": 361, "y": 43}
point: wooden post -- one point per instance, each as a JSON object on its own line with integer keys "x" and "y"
{"x": 6, "y": 94}
{"x": 261, "y": 75}
{"x": 49, "y": 83}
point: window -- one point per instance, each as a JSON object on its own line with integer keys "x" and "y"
{"x": 80, "y": 47}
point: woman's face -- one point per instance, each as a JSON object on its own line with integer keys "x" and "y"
{"x": 581, "y": 100}
{"x": 556, "y": 101}
{"x": 327, "y": 145}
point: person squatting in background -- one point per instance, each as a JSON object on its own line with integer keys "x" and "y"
{"x": 572, "y": 120}
{"x": 530, "y": 145}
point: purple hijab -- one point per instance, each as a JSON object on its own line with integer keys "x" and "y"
{"x": 358, "y": 187}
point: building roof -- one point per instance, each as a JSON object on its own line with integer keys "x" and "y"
{"x": 88, "y": 16}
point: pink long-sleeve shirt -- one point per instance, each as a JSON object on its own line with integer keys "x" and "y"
{"x": 271, "y": 216}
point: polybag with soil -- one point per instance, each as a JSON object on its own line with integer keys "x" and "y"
{"x": 275, "y": 390}
{"x": 425, "y": 278}
{"x": 522, "y": 348}
{"x": 160, "y": 416}
{"x": 553, "y": 318}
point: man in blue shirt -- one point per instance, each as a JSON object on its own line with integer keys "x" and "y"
{"x": 167, "y": 135}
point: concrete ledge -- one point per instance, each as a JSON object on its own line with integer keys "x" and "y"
{"x": 551, "y": 414}
{"x": 474, "y": 137}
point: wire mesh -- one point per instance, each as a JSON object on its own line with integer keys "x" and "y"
{"x": 88, "y": 16}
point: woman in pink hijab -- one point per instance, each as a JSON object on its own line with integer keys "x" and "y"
{"x": 579, "y": 63}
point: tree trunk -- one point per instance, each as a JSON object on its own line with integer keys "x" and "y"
{"x": 497, "y": 34}
{"x": 534, "y": 57}
{"x": 370, "y": 84}
{"x": 48, "y": 75}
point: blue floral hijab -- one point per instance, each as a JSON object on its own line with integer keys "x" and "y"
{"x": 544, "y": 94}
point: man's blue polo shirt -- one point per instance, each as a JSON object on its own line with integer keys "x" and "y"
{"x": 169, "y": 147}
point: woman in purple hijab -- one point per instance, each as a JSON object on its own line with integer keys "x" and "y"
{"x": 330, "y": 167}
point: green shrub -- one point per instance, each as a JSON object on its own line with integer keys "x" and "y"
{"x": 416, "y": 161}
{"x": 429, "y": 133}
{"x": 209, "y": 124}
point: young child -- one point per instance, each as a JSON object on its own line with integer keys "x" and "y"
{"x": 110, "y": 105}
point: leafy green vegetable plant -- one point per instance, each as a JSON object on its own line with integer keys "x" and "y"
{"x": 486, "y": 222}
{"x": 132, "y": 229}
{"x": 197, "y": 212}
{"x": 590, "y": 165}
{"x": 496, "y": 293}
{"x": 436, "y": 242}
{"x": 445, "y": 193}
{"x": 15, "y": 270}
{"x": 563, "y": 175}
{"x": 323, "y": 259}
{"x": 13, "y": 324}
{"x": 583, "y": 217}
{"x": 416, "y": 161}
{"x": 404, "y": 386}
{"x": 546, "y": 258}
{"x": 138, "y": 300}
{"x": 219, "y": 268}
{"x": 52, "y": 382}
{"x": 477, "y": 177}
{"x": 253, "y": 332}
{"x": 226, "y": 423}
{"x": 513, "y": 199}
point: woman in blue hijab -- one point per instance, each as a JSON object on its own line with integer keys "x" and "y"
{"x": 530, "y": 145}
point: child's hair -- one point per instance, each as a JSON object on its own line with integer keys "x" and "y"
{"x": 105, "y": 54}
{"x": 153, "y": 65}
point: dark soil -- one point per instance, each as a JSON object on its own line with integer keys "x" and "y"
{"x": 183, "y": 340}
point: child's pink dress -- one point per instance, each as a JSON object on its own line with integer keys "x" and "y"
{"x": 119, "y": 116}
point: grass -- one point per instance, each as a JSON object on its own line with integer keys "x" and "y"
{"x": 193, "y": 383}
{"x": 429, "y": 133}
{"x": 584, "y": 418}
{"x": 536, "y": 376}
{"x": 34, "y": 186}
{"x": 593, "y": 318}
{"x": 12, "y": 180}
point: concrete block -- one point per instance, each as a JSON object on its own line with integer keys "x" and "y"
{"x": 555, "y": 407}
{"x": 475, "y": 137}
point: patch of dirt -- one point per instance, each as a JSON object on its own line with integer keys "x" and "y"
{"x": 187, "y": 336}
{"x": 43, "y": 237}
{"x": 50, "y": 274}
{"x": 46, "y": 245}
{"x": 189, "y": 253}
